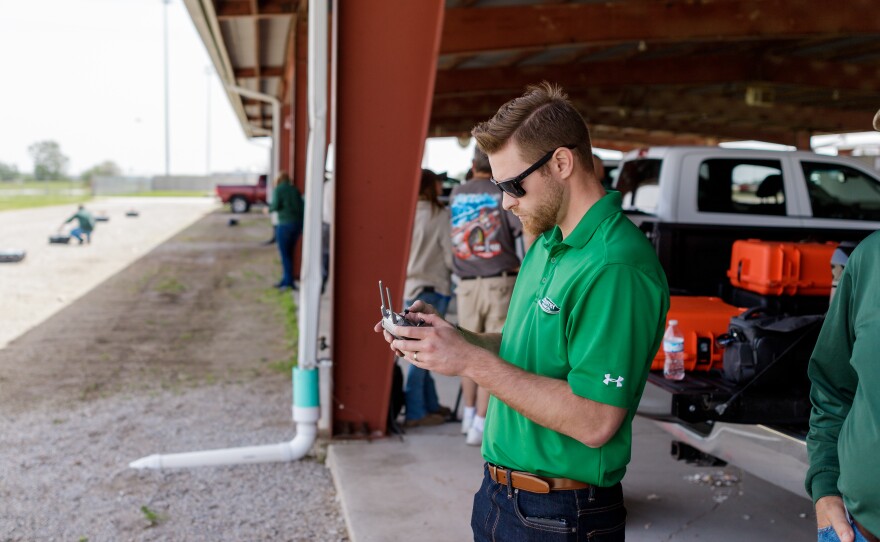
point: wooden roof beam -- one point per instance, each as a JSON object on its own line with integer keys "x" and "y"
{"x": 232, "y": 9}
{"x": 697, "y": 70}
{"x": 599, "y": 124}
{"x": 610, "y": 139}
{"x": 255, "y": 8}
{"x": 674, "y": 103}
{"x": 674, "y": 71}
{"x": 468, "y": 30}
{"x": 262, "y": 71}
{"x": 819, "y": 74}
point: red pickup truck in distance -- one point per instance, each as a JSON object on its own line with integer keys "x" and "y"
{"x": 240, "y": 197}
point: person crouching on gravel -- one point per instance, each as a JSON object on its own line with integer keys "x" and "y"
{"x": 86, "y": 225}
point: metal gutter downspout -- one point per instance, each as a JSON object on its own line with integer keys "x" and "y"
{"x": 306, "y": 396}
{"x": 276, "y": 130}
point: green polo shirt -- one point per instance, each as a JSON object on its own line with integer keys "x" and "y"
{"x": 589, "y": 309}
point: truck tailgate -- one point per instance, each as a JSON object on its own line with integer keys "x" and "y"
{"x": 763, "y": 435}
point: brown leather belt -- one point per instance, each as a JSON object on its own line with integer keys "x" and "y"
{"x": 531, "y": 482}
{"x": 496, "y": 275}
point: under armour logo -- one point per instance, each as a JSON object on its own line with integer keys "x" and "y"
{"x": 609, "y": 380}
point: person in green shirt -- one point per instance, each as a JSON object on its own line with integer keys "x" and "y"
{"x": 288, "y": 203}
{"x": 844, "y": 474}
{"x": 586, "y": 317}
{"x": 86, "y": 224}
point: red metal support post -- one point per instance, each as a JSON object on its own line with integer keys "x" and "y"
{"x": 386, "y": 69}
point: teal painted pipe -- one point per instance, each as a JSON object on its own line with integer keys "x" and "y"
{"x": 305, "y": 388}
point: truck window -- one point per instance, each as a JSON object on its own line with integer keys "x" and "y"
{"x": 637, "y": 182}
{"x": 741, "y": 186}
{"x": 838, "y": 191}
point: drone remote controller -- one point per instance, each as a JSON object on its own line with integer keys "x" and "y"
{"x": 391, "y": 318}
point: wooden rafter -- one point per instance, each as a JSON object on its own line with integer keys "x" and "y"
{"x": 671, "y": 109}
{"x": 466, "y": 29}
{"x": 696, "y": 70}
{"x": 252, "y": 72}
{"x": 231, "y": 9}
{"x": 255, "y": 8}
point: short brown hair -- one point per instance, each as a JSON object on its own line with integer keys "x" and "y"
{"x": 539, "y": 121}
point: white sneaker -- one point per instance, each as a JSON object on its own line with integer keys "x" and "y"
{"x": 466, "y": 422}
{"x": 474, "y": 437}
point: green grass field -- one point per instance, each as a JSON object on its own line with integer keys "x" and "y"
{"x": 166, "y": 194}
{"x": 23, "y": 195}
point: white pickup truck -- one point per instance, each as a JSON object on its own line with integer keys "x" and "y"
{"x": 693, "y": 203}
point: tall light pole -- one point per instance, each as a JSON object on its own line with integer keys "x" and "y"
{"x": 208, "y": 73}
{"x": 167, "y": 129}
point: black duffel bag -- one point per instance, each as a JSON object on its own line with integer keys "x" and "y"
{"x": 769, "y": 349}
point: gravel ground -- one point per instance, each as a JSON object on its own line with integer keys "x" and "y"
{"x": 142, "y": 352}
{"x": 65, "y": 476}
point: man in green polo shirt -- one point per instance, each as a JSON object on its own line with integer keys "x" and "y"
{"x": 586, "y": 318}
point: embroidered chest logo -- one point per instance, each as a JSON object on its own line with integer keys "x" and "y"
{"x": 547, "y": 305}
{"x": 609, "y": 380}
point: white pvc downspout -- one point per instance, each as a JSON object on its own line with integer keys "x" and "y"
{"x": 306, "y": 411}
{"x": 306, "y": 395}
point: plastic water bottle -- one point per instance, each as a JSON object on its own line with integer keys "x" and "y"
{"x": 673, "y": 347}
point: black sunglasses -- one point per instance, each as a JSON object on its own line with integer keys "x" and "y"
{"x": 513, "y": 186}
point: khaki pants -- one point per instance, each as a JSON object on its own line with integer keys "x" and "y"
{"x": 483, "y": 303}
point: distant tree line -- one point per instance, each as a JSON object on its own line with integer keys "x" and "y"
{"x": 50, "y": 164}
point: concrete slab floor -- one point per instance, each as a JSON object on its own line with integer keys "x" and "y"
{"x": 421, "y": 488}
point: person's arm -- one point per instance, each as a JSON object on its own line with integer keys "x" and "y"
{"x": 275, "y": 205}
{"x": 833, "y": 387}
{"x": 69, "y": 220}
{"x": 550, "y": 402}
{"x": 601, "y": 341}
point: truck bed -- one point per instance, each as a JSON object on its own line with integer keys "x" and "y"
{"x": 708, "y": 397}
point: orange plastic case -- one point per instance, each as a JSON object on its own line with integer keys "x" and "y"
{"x": 701, "y": 320}
{"x": 772, "y": 268}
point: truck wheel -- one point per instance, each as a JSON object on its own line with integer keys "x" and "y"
{"x": 239, "y": 204}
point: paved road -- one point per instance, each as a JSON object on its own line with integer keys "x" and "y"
{"x": 52, "y": 276}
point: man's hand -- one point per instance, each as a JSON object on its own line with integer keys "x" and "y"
{"x": 437, "y": 347}
{"x": 413, "y": 315}
{"x": 420, "y": 307}
{"x": 830, "y": 511}
{"x": 388, "y": 338}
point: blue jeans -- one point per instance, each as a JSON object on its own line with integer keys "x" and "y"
{"x": 79, "y": 233}
{"x": 286, "y": 236}
{"x": 420, "y": 390}
{"x": 828, "y": 534}
{"x": 504, "y": 513}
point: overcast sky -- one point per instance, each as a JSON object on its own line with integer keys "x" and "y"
{"x": 89, "y": 75}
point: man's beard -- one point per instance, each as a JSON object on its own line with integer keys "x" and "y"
{"x": 546, "y": 214}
